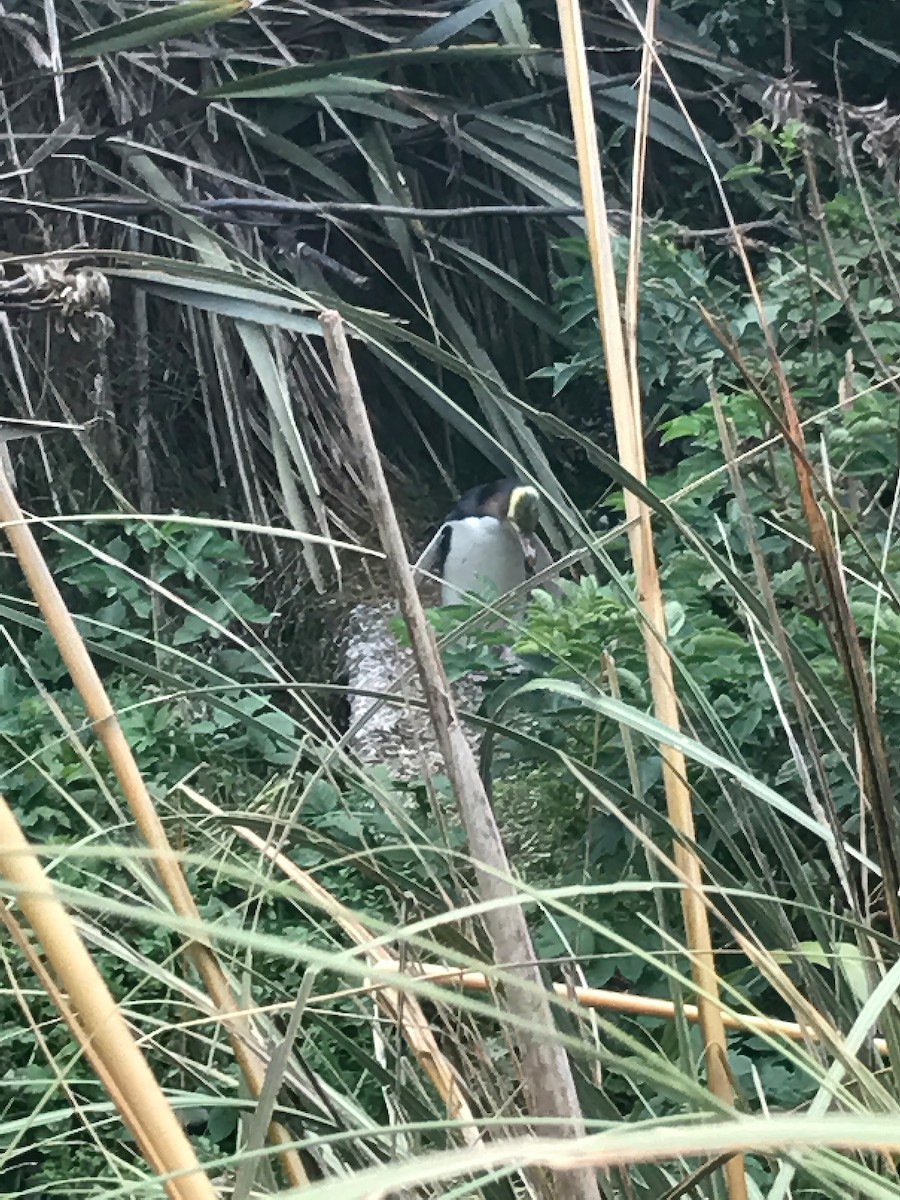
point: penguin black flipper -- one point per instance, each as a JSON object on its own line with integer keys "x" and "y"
{"x": 445, "y": 536}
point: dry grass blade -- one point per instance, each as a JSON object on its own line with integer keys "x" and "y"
{"x": 62, "y": 1006}
{"x": 839, "y": 856}
{"x": 135, "y": 1090}
{"x": 407, "y": 1014}
{"x": 624, "y": 1002}
{"x": 877, "y": 784}
{"x": 628, "y": 427}
{"x": 623, "y": 1146}
{"x": 877, "y": 788}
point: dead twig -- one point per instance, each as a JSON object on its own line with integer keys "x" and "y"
{"x": 544, "y": 1065}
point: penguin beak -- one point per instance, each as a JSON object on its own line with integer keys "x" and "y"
{"x": 529, "y": 550}
{"x": 523, "y": 516}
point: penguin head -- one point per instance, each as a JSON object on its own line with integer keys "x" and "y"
{"x": 479, "y": 539}
{"x": 505, "y": 500}
{"x": 523, "y": 510}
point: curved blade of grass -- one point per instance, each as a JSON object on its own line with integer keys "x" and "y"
{"x": 454, "y": 23}
{"x": 884, "y": 51}
{"x": 225, "y": 304}
{"x": 884, "y": 994}
{"x": 306, "y": 160}
{"x": 642, "y": 723}
{"x": 281, "y": 80}
{"x": 668, "y": 126}
{"x": 270, "y": 373}
{"x": 331, "y": 86}
{"x": 155, "y": 25}
{"x": 653, "y": 1141}
{"x": 506, "y": 286}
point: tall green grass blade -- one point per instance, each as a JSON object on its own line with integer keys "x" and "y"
{"x": 283, "y": 79}
{"x": 156, "y": 25}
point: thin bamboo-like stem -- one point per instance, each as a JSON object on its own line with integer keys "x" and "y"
{"x": 544, "y": 1065}
{"x": 141, "y": 1101}
{"x": 109, "y": 732}
{"x": 406, "y": 1012}
{"x": 629, "y": 1002}
{"x": 628, "y": 426}
{"x": 62, "y": 1006}
{"x": 639, "y": 164}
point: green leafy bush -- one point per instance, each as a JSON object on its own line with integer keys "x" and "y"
{"x": 732, "y": 682}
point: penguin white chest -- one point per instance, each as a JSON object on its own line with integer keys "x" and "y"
{"x": 485, "y": 557}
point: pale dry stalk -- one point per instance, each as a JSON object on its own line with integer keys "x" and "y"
{"x": 625, "y": 396}
{"x": 404, "y": 1010}
{"x": 135, "y": 1090}
{"x": 545, "y": 1068}
{"x": 817, "y": 1029}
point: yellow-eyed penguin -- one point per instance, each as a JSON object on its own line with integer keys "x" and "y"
{"x": 488, "y": 544}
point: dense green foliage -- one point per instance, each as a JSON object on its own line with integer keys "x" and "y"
{"x": 170, "y": 616}
{"x": 479, "y": 352}
{"x": 835, "y": 348}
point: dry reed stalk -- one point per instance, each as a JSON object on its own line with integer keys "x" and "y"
{"x": 625, "y": 397}
{"x": 135, "y": 1091}
{"x": 109, "y": 732}
{"x": 628, "y": 1002}
{"x": 404, "y": 1011}
{"x": 62, "y": 1006}
{"x": 544, "y": 1066}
